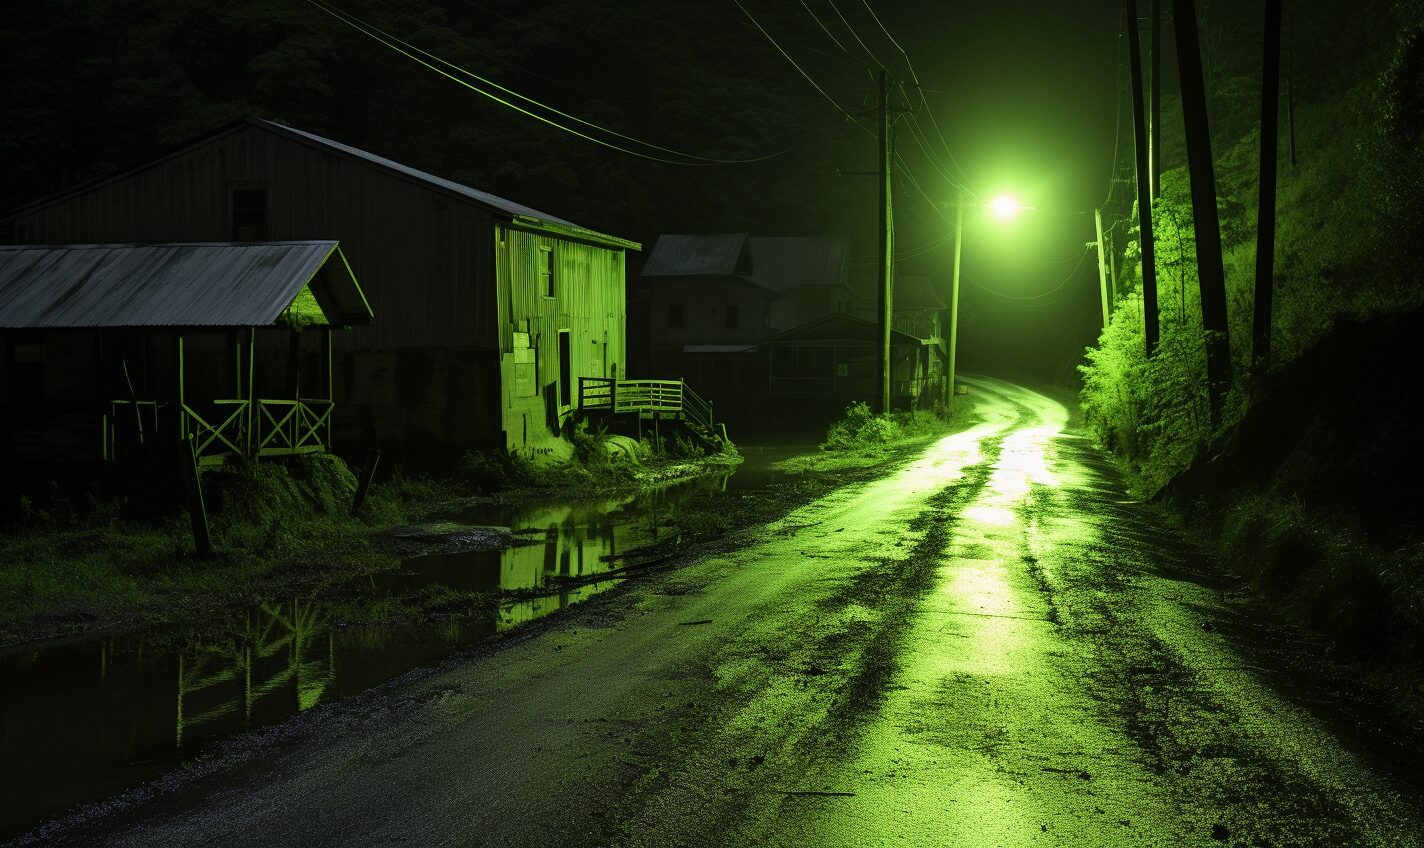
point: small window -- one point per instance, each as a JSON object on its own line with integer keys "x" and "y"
{"x": 546, "y": 271}
{"x": 675, "y": 315}
{"x": 249, "y": 214}
{"x": 734, "y": 317}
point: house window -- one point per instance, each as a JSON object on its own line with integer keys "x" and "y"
{"x": 249, "y": 214}
{"x": 675, "y": 315}
{"x": 734, "y": 317}
{"x": 546, "y": 271}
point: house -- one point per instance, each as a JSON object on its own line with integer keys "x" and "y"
{"x": 490, "y": 311}
{"x": 119, "y": 352}
{"x": 822, "y": 366}
{"x": 713, "y": 293}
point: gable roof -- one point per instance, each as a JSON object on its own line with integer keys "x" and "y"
{"x": 916, "y": 293}
{"x": 175, "y": 285}
{"x": 688, "y": 255}
{"x": 839, "y": 328}
{"x": 517, "y": 212}
{"x": 791, "y": 262}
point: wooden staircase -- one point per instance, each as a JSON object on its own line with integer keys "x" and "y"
{"x": 656, "y": 400}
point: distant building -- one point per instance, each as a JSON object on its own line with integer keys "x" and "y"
{"x": 824, "y": 365}
{"x": 732, "y": 289}
{"x": 489, "y": 311}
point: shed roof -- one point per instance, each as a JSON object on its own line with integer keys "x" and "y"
{"x": 698, "y": 255}
{"x": 174, "y": 285}
{"x": 839, "y": 328}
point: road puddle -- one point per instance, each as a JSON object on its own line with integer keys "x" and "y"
{"x": 87, "y": 719}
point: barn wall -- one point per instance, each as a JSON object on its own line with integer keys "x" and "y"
{"x": 588, "y": 301}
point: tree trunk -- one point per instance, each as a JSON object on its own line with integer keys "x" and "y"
{"x": 1266, "y": 219}
{"x": 1144, "y": 184}
{"x": 1210, "y": 275}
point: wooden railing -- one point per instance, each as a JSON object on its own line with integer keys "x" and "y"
{"x": 212, "y": 441}
{"x": 293, "y": 426}
{"x": 221, "y": 428}
{"x": 675, "y": 397}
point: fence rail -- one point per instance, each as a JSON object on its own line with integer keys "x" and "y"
{"x": 673, "y": 397}
{"x": 220, "y": 428}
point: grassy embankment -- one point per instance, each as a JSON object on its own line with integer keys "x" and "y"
{"x": 1309, "y": 486}
{"x": 280, "y": 530}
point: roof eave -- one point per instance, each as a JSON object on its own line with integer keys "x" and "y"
{"x": 572, "y": 233}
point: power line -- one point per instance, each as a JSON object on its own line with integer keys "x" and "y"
{"x": 798, "y": 68}
{"x": 1034, "y": 297}
{"x": 855, "y": 35}
{"x": 396, "y": 44}
{"x": 833, "y": 39}
{"x": 560, "y": 82}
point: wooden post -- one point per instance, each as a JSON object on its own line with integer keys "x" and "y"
{"x": 1211, "y": 275}
{"x": 954, "y": 306}
{"x": 368, "y": 473}
{"x": 1266, "y": 217}
{"x": 193, "y": 490}
{"x": 178, "y": 344}
{"x": 330, "y": 388}
{"x": 1144, "y": 186}
{"x": 1155, "y": 142}
{"x": 887, "y": 303}
{"x": 251, "y": 391}
{"x": 1102, "y": 266}
{"x": 294, "y": 382}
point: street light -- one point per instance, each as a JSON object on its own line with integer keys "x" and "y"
{"x": 1005, "y": 207}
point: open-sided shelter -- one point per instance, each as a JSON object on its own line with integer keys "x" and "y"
{"x": 114, "y": 351}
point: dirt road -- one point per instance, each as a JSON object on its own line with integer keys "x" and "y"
{"x": 991, "y": 645}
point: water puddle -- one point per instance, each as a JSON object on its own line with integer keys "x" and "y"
{"x": 85, "y": 720}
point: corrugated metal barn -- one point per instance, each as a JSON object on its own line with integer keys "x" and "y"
{"x": 489, "y": 311}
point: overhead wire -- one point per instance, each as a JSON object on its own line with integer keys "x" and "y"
{"x": 856, "y": 35}
{"x": 395, "y": 43}
{"x": 795, "y": 65}
{"x": 824, "y": 28}
{"x": 1036, "y": 297}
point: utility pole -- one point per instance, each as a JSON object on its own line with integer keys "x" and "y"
{"x": 1210, "y": 274}
{"x": 954, "y": 304}
{"x": 1156, "y": 126}
{"x": 1266, "y": 217}
{"x": 1144, "y": 184}
{"x": 887, "y": 243}
{"x": 1102, "y": 266}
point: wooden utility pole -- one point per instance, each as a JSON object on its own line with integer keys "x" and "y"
{"x": 1144, "y": 184}
{"x": 1210, "y": 276}
{"x": 1266, "y": 217}
{"x": 887, "y": 244}
{"x": 1155, "y": 128}
{"x": 954, "y": 304}
{"x": 1102, "y": 266}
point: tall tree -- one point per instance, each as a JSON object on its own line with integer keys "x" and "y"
{"x": 1266, "y": 219}
{"x": 1211, "y": 277}
{"x": 1144, "y": 182}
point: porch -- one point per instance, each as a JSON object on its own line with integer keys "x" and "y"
{"x": 651, "y": 400}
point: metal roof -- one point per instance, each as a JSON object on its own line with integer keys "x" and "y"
{"x": 483, "y": 198}
{"x": 720, "y": 254}
{"x": 839, "y": 328}
{"x": 792, "y": 262}
{"x": 173, "y": 285}
{"x": 521, "y": 214}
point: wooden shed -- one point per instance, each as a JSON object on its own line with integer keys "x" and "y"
{"x": 490, "y": 311}
{"x": 115, "y": 352}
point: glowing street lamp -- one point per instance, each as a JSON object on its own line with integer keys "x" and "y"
{"x": 1005, "y": 207}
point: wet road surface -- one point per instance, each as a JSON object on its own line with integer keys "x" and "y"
{"x": 990, "y": 645}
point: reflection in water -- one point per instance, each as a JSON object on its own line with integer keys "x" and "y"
{"x": 82, "y": 721}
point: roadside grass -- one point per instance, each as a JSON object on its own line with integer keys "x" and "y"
{"x": 1330, "y": 575}
{"x": 863, "y": 439}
